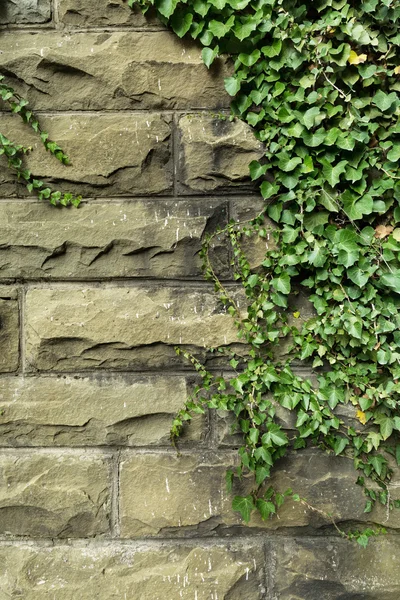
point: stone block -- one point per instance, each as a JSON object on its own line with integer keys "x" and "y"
{"x": 152, "y": 238}
{"x": 9, "y": 329}
{"x": 119, "y": 571}
{"x": 215, "y": 154}
{"x": 23, "y": 12}
{"x": 334, "y": 569}
{"x": 97, "y": 410}
{"x": 112, "y": 70}
{"x": 51, "y": 495}
{"x": 165, "y": 494}
{"x": 122, "y": 327}
{"x": 103, "y": 13}
{"x": 111, "y": 154}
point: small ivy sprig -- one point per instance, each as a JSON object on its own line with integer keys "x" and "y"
{"x": 15, "y": 152}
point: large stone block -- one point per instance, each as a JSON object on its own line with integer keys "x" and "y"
{"x": 78, "y": 411}
{"x": 122, "y": 327}
{"x": 215, "y": 154}
{"x": 119, "y": 572}
{"x": 334, "y": 569}
{"x": 161, "y": 494}
{"x": 24, "y": 11}
{"x": 51, "y": 495}
{"x": 9, "y": 329}
{"x": 186, "y": 495}
{"x": 114, "y": 71}
{"x": 150, "y": 238}
{"x": 103, "y": 13}
{"x": 111, "y": 154}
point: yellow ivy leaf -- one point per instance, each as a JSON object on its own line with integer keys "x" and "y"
{"x": 397, "y": 70}
{"x": 296, "y": 315}
{"x": 361, "y": 416}
{"x": 357, "y": 59}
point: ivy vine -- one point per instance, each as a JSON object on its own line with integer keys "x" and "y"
{"x": 319, "y": 82}
{"x": 15, "y": 152}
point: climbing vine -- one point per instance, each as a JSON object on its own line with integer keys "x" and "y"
{"x": 14, "y": 152}
{"x": 319, "y": 82}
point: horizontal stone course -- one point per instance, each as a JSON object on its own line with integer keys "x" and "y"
{"x": 97, "y": 410}
{"x": 111, "y": 154}
{"x": 151, "y": 238}
{"x": 9, "y": 329}
{"x": 103, "y": 13}
{"x": 122, "y": 327}
{"x": 112, "y": 71}
{"x": 118, "y": 571}
{"x": 21, "y": 12}
{"x": 50, "y": 495}
{"x": 185, "y": 495}
{"x": 334, "y": 569}
{"x": 215, "y": 153}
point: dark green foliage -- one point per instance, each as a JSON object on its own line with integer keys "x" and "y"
{"x": 319, "y": 82}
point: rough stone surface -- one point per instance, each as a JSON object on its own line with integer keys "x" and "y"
{"x": 103, "y": 13}
{"x": 121, "y": 70}
{"x": 117, "y": 572}
{"x": 97, "y": 410}
{"x": 161, "y": 494}
{"x": 150, "y": 238}
{"x": 111, "y": 154}
{"x": 9, "y": 329}
{"x": 332, "y": 569}
{"x": 215, "y": 154}
{"x": 24, "y": 11}
{"x": 50, "y": 495}
{"x": 122, "y": 328}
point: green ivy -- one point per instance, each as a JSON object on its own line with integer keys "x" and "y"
{"x": 15, "y": 152}
{"x": 319, "y": 82}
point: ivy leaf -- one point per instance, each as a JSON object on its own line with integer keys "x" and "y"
{"x": 310, "y": 116}
{"x": 244, "y": 505}
{"x": 358, "y": 276}
{"x": 394, "y": 154}
{"x": 314, "y": 219}
{"x": 286, "y": 163}
{"x": 384, "y": 101}
{"x": 332, "y": 173}
{"x": 181, "y": 23}
{"x": 392, "y": 281}
{"x": 256, "y": 170}
{"x": 232, "y": 85}
{"x": 249, "y": 59}
{"x": 340, "y": 444}
{"x": 166, "y": 7}
{"x": 282, "y": 283}
{"x": 266, "y": 509}
{"x": 356, "y": 59}
{"x": 208, "y": 55}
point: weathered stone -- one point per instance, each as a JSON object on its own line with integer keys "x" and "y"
{"x": 161, "y": 494}
{"x": 326, "y": 482}
{"x": 334, "y": 569}
{"x": 122, "y": 571}
{"x": 150, "y": 238}
{"x": 78, "y": 411}
{"x": 215, "y": 154}
{"x": 50, "y": 495}
{"x": 9, "y": 329}
{"x": 24, "y": 11}
{"x": 122, "y": 327}
{"x": 114, "y": 71}
{"x": 103, "y": 13}
{"x": 112, "y": 155}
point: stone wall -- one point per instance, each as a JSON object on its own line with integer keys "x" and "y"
{"x": 94, "y": 503}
